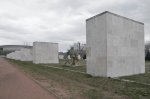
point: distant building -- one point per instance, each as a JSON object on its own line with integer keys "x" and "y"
{"x": 13, "y": 47}
{"x": 5, "y": 49}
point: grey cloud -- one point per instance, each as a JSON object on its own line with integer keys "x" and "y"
{"x": 61, "y": 21}
{"x": 14, "y": 29}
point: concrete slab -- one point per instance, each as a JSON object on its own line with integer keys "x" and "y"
{"x": 115, "y": 46}
{"x": 22, "y": 55}
{"x": 26, "y": 54}
{"x": 45, "y": 52}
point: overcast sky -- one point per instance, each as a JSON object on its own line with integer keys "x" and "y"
{"x": 61, "y": 21}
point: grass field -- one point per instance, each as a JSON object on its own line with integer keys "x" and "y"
{"x": 72, "y": 85}
{"x": 81, "y": 66}
{"x": 143, "y": 78}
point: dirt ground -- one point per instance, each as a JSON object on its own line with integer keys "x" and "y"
{"x": 15, "y": 85}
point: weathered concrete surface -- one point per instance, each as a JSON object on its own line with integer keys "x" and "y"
{"x": 23, "y": 55}
{"x": 26, "y": 54}
{"x": 45, "y": 52}
{"x": 14, "y": 55}
{"x": 9, "y": 56}
{"x": 17, "y": 55}
{"x": 15, "y": 85}
{"x": 115, "y": 46}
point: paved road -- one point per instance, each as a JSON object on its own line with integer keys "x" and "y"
{"x": 15, "y": 85}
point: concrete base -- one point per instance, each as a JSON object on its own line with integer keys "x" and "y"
{"x": 115, "y": 46}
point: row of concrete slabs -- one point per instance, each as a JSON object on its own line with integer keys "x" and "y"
{"x": 41, "y": 53}
{"x": 22, "y": 55}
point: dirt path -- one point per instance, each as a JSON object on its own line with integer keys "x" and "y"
{"x": 15, "y": 85}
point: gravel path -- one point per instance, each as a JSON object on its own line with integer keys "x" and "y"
{"x": 15, "y": 85}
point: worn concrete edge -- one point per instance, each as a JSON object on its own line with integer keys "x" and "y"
{"x": 114, "y": 15}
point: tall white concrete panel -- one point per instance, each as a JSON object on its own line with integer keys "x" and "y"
{"x": 115, "y": 46}
{"x": 45, "y": 52}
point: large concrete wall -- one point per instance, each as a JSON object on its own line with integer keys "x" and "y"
{"x": 10, "y": 55}
{"x": 45, "y": 52}
{"x": 115, "y": 46}
{"x": 96, "y": 46}
{"x": 14, "y": 55}
{"x": 23, "y": 55}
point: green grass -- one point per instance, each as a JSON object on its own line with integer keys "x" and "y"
{"x": 142, "y": 78}
{"x": 86, "y": 86}
{"x": 81, "y": 66}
